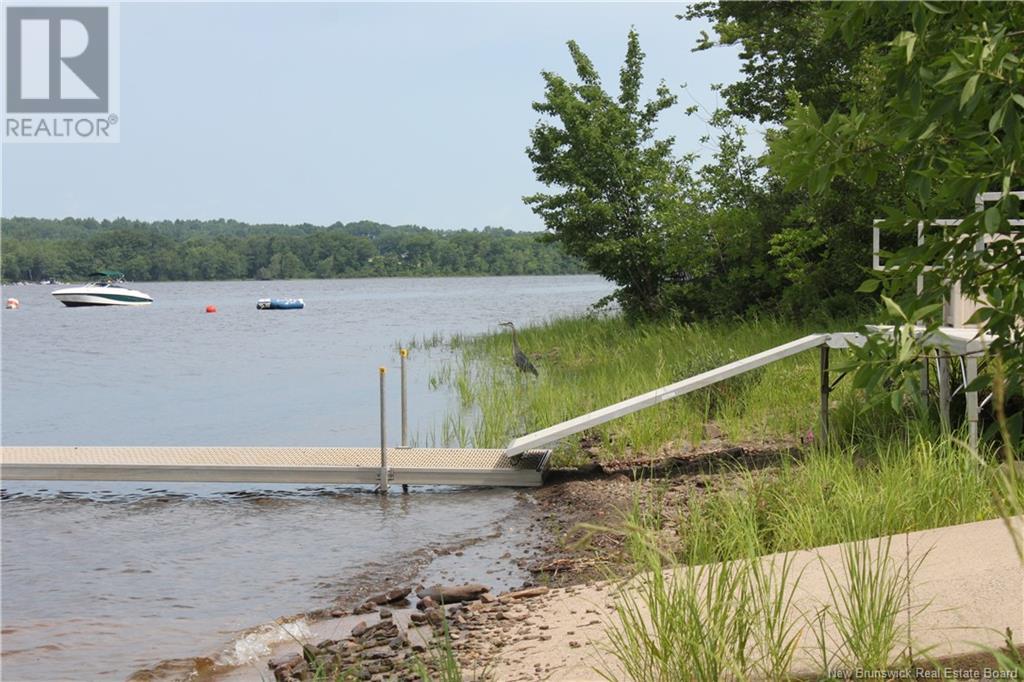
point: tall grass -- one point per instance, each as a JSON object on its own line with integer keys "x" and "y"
{"x": 704, "y": 606}
{"x": 868, "y": 594}
{"x": 443, "y": 664}
{"x": 586, "y": 363}
{"x": 737, "y": 618}
{"x": 888, "y": 473}
{"x": 710, "y": 622}
{"x": 833, "y": 496}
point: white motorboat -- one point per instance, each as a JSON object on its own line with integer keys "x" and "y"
{"x": 107, "y": 289}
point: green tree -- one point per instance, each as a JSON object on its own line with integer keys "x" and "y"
{"x": 621, "y": 189}
{"x": 788, "y": 54}
{"x": 954, "y": 81}
{"x": 720, "y": 253}
{"x": 70, "y": 248}
{"x": 785, "y": 48}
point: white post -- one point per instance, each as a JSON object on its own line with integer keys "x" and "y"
{"x": 920, "y": 242}
{"x": 876, "y": 246}
{"x": 405, "y": 410}
{"x": 405, "y": 402}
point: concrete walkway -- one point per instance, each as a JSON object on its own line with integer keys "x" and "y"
{"x": 968, "y": 587}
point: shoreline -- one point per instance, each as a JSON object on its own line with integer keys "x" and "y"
{"x": 412, "y": 276}
{"x": 499, "y": 557}
{"x": 542, "y": 555}
{"x": 963, "y": 613}
{"x": 555, "y": 625}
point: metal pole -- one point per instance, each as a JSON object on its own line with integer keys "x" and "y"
{"x": 405, "y": 410}
{"x": 942, "y": 376}
{"x": 405, "y": 402}
{"x": 383, "y": 488}
{"x": 925, "y": 377}
{"x": 971, "y": 373}
{"x": 920, "y": 291}
{"x": 824, "y": 390}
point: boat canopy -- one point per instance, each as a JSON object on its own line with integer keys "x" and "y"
{"x": 107, "y": 274}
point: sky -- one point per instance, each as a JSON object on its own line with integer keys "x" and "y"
{"x": 397, "y": 113}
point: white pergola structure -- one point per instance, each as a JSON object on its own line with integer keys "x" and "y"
{"x": 958, "y": 337}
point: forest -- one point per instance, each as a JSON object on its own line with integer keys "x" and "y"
{"x": 900, "y": 116}
{"x": 895, "y": 111}
{"x": 36, "y": 249}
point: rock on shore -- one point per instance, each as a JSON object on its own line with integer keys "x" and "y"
{"x": 403, "y": 644}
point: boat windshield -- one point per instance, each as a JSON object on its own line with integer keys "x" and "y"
{"x": 106, "y": 278}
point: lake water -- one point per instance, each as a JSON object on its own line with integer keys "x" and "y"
{"x": 102, "y": 580}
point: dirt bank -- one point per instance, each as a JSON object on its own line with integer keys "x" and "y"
{"x": 576, "y": 504}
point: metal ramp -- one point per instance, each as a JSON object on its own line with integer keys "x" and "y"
{"x": 322, "y": 465}
{"x": 963, "y": 342}
{"x": 660, "y": 395}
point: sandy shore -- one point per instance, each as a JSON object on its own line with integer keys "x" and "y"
{"x": 967, "y": 590}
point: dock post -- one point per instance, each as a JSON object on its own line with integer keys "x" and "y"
{"x": 405, "y": 401}
{"x": 824, "y": 391}
{"x": 404, "y": 352}
{"x": 383, "y": 488}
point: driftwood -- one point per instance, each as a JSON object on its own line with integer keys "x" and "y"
{"x": 525, "y": 594}
{"x": 451, "y": 594}
{"x": 390, "y": 597}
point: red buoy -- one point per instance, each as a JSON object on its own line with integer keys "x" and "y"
{"x": 211, "y": 308}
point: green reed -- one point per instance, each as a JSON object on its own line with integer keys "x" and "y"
{"x": 867, "y": 608}
{"x": 899, "y": 488}
{"x": 589, "y": 362}
{"x": 707, "y": 585}
{"x": 730, "y": 620}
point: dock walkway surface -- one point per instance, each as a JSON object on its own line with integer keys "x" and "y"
{"x": 322, "y": 465}
{"x": 966, "y": 590}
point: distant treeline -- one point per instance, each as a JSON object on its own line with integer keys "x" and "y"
{"x": 37, "y": 249}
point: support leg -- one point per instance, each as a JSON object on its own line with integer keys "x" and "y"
{"x": 971, "y": 373}
{"x": 942, "y": 376}
{"x": 925, "y": 378}
{"x": 824, "y": 393}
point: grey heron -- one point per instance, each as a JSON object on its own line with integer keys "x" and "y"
{"x": 518, "y": 356}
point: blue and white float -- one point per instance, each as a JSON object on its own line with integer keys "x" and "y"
{"x": 280, "y": 304}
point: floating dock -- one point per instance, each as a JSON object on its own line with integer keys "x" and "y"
{"x": 320, "y": 465}
{"x": 522, "y": 464}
